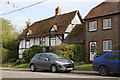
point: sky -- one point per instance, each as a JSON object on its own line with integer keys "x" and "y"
{"x": 43, "y": 10}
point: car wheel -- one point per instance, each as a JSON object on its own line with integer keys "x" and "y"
{"x": 103, "y": 70}
{"x": 32, "y": 67}
{"x": 53, "y": 68}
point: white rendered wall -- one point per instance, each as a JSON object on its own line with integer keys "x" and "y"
{"x": 46, "y": 41}
{"x": 31, "y": 42}
{"x": 58, "y": 41}
{"x": 75, "y": 21}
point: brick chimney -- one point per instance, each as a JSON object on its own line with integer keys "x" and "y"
{"x": 58, "y": 11}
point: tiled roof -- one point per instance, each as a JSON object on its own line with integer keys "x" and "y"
{"x": 42, "y": 28}
{"x": 105, "y": 8}
{"x": 77, "y": 35}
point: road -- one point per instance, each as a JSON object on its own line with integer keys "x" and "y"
{"x": 45, "y": 74}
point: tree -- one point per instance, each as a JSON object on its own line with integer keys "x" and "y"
{"x": 28, "y": 23}
{"x": 9, "y": 40}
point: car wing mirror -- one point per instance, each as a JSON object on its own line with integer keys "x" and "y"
{"x": 46, "y": 59}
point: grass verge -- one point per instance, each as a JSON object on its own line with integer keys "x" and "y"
{"x": 26, "y": 65}
{"x": 85, "y": 67}
{"x": 8, "y": 64}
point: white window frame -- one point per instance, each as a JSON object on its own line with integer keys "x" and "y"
{"x": 93, "y": 26}
{"x": 107, "y": 45}
{"x": 107, "y": 24}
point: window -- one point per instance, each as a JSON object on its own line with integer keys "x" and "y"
{"x": 52, "y": 34}
{"x": 107, "y": 45}
{"x": 93, "y": 26}
{"x": 27, "y": 36}
{"x": 93, "y": 47}
{"x": 107, "y": 23}
{"x": 43, "y": 56}
{"x": 113, "y": 56}
{"x": 37, "y": 56}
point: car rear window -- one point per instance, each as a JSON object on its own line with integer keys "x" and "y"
{"x": 113, "y": 56}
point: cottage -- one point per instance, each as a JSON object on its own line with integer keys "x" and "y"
{"x": 102, "y": 26}
{"x": 49, "y": 32}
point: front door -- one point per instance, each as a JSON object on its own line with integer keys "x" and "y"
{"x": 92, "y": 50}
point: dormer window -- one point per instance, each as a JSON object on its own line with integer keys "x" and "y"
{"x": 53, "y": 31}
{"x": 28, "y": 35}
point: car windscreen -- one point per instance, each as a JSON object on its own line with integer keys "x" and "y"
{"x": 54, "y": 56}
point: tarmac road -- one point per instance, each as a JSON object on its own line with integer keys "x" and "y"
{"x": 27, "y": 74}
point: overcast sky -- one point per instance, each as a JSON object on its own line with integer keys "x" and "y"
{"x": 43, "y": 10}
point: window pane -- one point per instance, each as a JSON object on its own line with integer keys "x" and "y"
{"x": 106, "y": 23}
{"x": 109, "y": 23}
{"x": 107, "y": 45}
{"x": 93, "y": 26}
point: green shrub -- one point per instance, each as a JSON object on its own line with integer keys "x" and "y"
{"x": 75, "y": 52}
{"x": 29, "y": 53}
{"x": 20, "y": 61}
{"x": 4, "y": 55}
{"x": 8, "y": 55}
{"x": 100, "y": 53}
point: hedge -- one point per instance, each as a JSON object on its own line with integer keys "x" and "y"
{"x": 30, "y": 52}
{"x": 75, "y": 52}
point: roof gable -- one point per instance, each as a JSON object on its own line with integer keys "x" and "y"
{"x": 105, "y": 8}
{"x": 42, "y": 28}
{"x": 77, "y": 35}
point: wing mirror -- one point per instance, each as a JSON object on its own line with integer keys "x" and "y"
{"x": 46, "y": 59}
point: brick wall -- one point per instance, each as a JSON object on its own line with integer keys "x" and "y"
{"x": 101, "y": 34}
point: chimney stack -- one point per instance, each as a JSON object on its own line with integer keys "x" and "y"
{"x": 58, "y": 11}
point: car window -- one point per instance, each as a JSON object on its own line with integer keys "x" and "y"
{"x": 43, "y": 56}
{"x": 113, "y": 56}
{"x": 37, "y": 56}
{"x": 54, "y": 56}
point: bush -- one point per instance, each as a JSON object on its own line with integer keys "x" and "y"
{"x": 8, "y": 55}
{"x": 4, "y": 55}
{"x": 20, "y": 61}
{"x": 75, "y": 52}
{"x": 29, "y": 53}
{"x": 100, "y": 53}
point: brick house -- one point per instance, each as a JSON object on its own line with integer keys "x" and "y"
{"x": 49, "y": 32}
{"x": 102, "y": 26}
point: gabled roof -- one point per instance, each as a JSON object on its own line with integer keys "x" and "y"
{"x": 77, "y": 35}
{"x": 42, "y": 28}
{"x": 103, "y": 9}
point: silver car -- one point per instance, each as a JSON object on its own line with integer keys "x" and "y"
{"x": 50, "y": 61}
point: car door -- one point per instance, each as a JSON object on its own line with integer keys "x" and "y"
{"x": 45, "y": 64}
{"x": 37, "y": 61}
{"x": 112, "y": 61}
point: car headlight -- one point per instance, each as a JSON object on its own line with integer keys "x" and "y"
{"x": 59, "y": 62}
